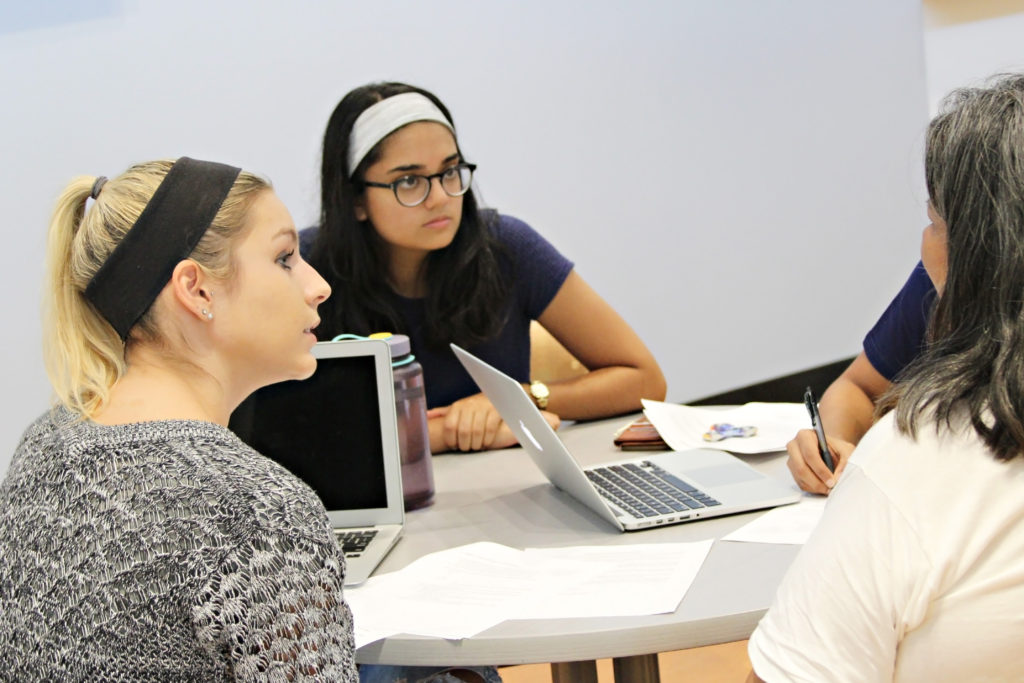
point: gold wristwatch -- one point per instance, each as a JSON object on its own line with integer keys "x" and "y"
{"x": 540, "y": 393}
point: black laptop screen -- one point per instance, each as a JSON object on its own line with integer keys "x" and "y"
{"x": 325, "y": 429}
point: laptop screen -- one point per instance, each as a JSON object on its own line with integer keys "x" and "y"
{"x": 326, "y": 430}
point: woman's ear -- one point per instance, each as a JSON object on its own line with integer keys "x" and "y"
{"x": 359, "y": 209}
{"x": 190, "y": 285}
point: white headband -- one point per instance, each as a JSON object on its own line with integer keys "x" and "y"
{"x": 385, "y": 117}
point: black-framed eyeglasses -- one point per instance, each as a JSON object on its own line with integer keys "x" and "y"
{"x": 413, "y": 189}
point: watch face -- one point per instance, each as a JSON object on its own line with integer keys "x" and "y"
{"x": 540, "y": 393}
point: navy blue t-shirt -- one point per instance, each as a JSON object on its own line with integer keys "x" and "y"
{"x": 535, "y": 272}
{"x": 898, "y": 336}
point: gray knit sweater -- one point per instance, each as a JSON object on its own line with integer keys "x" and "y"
{"x": 164, "y": 551}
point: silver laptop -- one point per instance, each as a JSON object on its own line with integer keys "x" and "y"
{"x": 639, "y": 493}
{"x": 337, "y": 431}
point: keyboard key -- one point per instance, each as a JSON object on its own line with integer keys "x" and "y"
{"x": 354, "y": 541}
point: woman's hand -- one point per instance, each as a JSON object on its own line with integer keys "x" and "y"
{"x": 472, "y": 424}
{"x": 847, "y": 412}
{"x": 805, "y": 463}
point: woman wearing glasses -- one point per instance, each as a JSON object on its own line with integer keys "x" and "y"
{"x": 406, "y": 249}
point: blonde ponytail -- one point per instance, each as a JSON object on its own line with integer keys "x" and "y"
{"x": 82, "y": 353}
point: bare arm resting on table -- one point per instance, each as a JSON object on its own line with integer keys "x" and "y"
{"x": 847, "y": 410}
{"x": 622, "y": 371}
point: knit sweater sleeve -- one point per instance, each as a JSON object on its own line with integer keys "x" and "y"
{"x": 274, "y": 609}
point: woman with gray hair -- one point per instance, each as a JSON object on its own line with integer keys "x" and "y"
{"x": 916, "y": 571}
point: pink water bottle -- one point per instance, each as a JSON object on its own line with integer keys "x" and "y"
{"x": 413, "y": 437}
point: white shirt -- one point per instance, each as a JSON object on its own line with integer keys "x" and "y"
{"x": 915, "y": 573}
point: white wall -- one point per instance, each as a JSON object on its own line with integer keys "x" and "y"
{"x": 741, "y": 180}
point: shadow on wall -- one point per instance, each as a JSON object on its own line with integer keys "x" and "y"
{"x": 950, "y": 12}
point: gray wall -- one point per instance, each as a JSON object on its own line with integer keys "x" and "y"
{"x": 740, "y": 179}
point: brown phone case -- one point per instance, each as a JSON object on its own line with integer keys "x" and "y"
{"x": 640, "y": 435}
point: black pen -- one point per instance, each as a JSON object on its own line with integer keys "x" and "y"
{"x": 812, "y": 408}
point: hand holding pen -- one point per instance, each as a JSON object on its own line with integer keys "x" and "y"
{"x": 812, "y": 408}
{"x": 816, "y": 462}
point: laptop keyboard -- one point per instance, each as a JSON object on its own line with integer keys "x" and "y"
{"x": 353, "y": 542}
{"x": 645, "y": 490}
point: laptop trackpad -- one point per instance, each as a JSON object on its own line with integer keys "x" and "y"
{"x": 722, "y": 475}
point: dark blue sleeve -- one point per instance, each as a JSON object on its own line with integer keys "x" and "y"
{"x": 539, "y": 268}
{"x": 898, "y": 336}
{"x": 306, "y": 238}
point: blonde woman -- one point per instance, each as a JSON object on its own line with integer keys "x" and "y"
{"x": 141, "y": 540}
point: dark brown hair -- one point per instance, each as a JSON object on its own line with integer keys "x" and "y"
{"x": 465, "y": 301}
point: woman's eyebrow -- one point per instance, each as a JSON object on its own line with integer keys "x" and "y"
{"x": 406, "y": 167}
{"x": 288, "y": 231}
{"x": 419, "y": 167}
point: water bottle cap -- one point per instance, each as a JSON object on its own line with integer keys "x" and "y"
{"x": 399, "y": 343}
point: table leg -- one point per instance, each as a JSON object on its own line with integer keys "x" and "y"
{"x": 637, "y": 669}
{"x": 574, "y": 672}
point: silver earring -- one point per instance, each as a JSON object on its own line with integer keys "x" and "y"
{"x": 209, "y": 316}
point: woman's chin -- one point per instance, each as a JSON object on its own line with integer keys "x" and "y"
{"x": 307, "y": 368}
{"x": 303, "y": 368}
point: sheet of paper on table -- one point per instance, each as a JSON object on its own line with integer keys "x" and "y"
{"x": 459, "y": 592}
{"x": 682, "y": 427}
{"x": 788, "y": 524}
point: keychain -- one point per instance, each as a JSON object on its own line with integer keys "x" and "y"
{"x": 717, "y": 432}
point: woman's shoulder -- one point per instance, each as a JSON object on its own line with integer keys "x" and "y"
{"x": 886, "y": 453}
{"x": 507, "y": 228}
{"x": 261, "y": 489}
{"x": 932, "y": 441}
{"x": 941, "y": 471}
{"x": 520, "y": 238}
{"x": 200, "y": 464}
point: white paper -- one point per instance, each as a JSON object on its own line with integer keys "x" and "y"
{"x": 788, "y": 524}
{"x": 683, "y": 427}
{"x": 451, "y": 594}
{"x": 630, "y": 580}
{"x": 459, "y": 592}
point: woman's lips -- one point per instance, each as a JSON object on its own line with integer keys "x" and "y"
{"x": 439, "y": 222}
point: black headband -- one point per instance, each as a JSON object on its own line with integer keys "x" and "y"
{"x": 167, "y": 230}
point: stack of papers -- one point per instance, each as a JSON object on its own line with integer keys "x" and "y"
{"x": 459, "y": 592}
{"x": 683, "y": 427}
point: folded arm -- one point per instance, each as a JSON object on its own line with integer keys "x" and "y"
{"x": 622, "y": 368}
